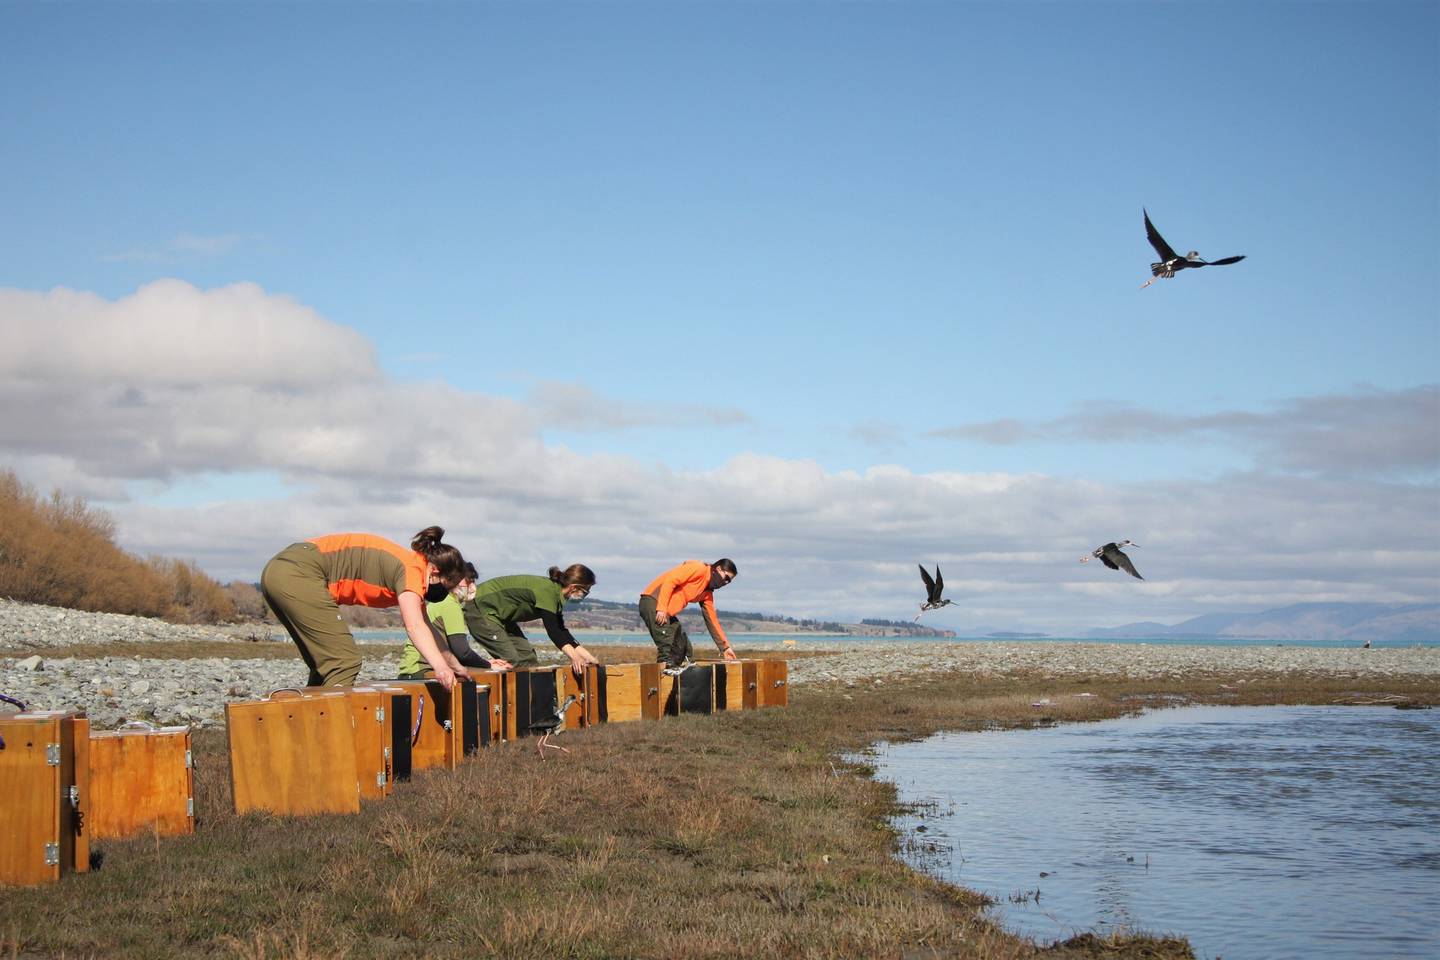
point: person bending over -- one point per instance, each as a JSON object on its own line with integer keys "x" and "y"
{"x": 503, "y": 603}
{"x": 447, "y": 623}
{"x": 306, "y": 583}
{"x": 670, "y": 593}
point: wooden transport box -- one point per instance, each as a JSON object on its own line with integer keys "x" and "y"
{"x": 501, "y": 707}
{"x": 44, "y": 795}
{"x": 729, "y": 684}
{"x": 445, "y": 724}
{"x": 395, "y": 716}
{"x": 586, "y": 710}
{"x": 620, "y": 691}
{"x": 141, "y": 781}
{"x": 293, "y": 756}
{"x": 657, "y": 691}
{"x": 377, "y": 713}
{"x": 774, "y": 683}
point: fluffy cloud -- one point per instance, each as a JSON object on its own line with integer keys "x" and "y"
{"x": 1359, "y": 433}
{"x": 175, "y": 382}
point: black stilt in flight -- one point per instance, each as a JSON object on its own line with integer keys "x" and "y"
{"x": 1113, "y": 557}
{"x": 1169, "y": 260}
{"x": 933, "y": 588}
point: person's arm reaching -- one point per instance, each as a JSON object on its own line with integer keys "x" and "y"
{"x": 565, "y": 641}
{"x": 412, "y": 612}
{"x": 712, "y": 624}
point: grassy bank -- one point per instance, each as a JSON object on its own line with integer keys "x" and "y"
{"x": 734, "y": 835}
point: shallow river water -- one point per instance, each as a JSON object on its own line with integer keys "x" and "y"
{"x": 1255, "y": 831}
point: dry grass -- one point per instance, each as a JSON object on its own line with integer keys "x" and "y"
{"x": 733, "y": 835}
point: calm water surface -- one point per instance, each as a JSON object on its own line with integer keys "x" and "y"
{"x": 1255, "y": 831}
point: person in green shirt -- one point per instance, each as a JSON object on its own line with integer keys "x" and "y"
{"x": 501, "y": 604}
{"x": 447, "y": 624}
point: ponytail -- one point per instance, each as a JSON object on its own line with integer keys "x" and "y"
{"x": 575, "y": 575}
{"x": 449, "y": 564}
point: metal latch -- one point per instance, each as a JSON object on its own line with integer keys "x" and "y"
{"x": 380, "y": 779}
{"x": 446, "y": 724}
{"x": 379, "y": 714}
{"x": 189, "y": 761}
{"x": 52, "y": 854}
{"x": 52, "y": 754}
{"x": 74, "y": 793}
{"x": 189, "y": 806}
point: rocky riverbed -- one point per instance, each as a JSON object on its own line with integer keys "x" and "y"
{"x": 111, "y": 689}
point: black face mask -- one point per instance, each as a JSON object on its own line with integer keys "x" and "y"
{"x": 436, "y": 592}
{"x": 717, "y": 580}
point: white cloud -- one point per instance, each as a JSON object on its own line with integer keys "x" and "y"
{"x": 174, "y": 381}
{"x": 1363, "y": 433}
{"x": 577, "y": 408}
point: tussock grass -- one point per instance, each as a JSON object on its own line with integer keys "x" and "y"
{"x": 734, "y": 835}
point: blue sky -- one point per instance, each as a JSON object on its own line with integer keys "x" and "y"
{"x": 832, "y": 237}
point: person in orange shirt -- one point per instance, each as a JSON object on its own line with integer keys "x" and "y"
{"x": 670, "y": 593}
{"x": 306, "y": 583}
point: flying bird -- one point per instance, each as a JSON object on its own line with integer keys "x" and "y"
{"x": 933, "y": 589}
{"x": 552, "y": 726}
{"x": 1169, "y": 260}
{"x": 1113, "y": 557}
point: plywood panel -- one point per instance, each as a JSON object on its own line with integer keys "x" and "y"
{"x": 29, "y": 799}
{"x": 502, "y": 702}
{"x": 293, "y": 756}
{"x": 140, "y": 782}
{"x": 774, "y": 683}
{"x": 621, "y": 692}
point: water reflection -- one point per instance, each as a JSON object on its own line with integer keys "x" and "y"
{"x": 1274, "y": 831}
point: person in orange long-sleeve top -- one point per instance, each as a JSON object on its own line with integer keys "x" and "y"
{"x": 670, "y": 593}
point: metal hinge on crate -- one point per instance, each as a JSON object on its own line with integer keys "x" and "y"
{"x": 189, "y": 761}
{"x": 379, "y": 714}
{"x": 189, "y": 806}
{"x": 52, "y": 754}
{"x": 52, "y": 854}
{"x": 380, "y": 779}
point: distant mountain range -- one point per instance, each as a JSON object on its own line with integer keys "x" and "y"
{"x": 1377, "y": 622}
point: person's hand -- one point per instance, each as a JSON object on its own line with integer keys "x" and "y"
{"x": 730, "y": 654}
{"x": 662, "y": 617}
{"x": 498, "y": 664}
{"x": 446, "y": 676}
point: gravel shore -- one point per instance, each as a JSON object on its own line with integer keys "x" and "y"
{"x": 194, "y": 691}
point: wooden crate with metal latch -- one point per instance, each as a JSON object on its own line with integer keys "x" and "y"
{"x": 445, "y": 724}
{"x": 294, "y": 755}
{"x": 141, "y": 781}
{"x": 44, "y": 795}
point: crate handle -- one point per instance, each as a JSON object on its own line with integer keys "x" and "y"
{"x": 145, "y": 725}
{"x": 419, "y": 716}
{"x": 294, "y": 694}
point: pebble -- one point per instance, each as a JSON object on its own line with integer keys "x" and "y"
{"x": 114, "y": 689}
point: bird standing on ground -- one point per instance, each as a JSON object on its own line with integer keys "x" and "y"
{"x": 1170, "y": 261}
{"x": 933, "y": 588}
{"x": 552, "y": 726}
{"x": 1113, "y": 557}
